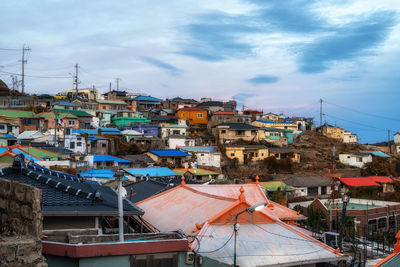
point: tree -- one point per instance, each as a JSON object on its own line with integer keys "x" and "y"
{"x": 378, "y": 166}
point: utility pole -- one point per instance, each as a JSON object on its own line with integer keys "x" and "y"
{"x": 23, "y": 61}
{"x": 345, "y": 201}
{"x": 117, "y": 79}
{"x": 320, "y": 112}
{"x": 76, "y": 79}
{"x": 109, "y": 88}
{"x": 389, "y": 140}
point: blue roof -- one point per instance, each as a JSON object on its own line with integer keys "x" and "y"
{"x": 105, "y": 158}
{"x": 26, "y": 155}
{"x": 169, "y": 153}
{"x": 96, "y": 131}
{"x": 146, "y": 98}
{"x": 198, "y": 148}
{"x": 8, "y": 135}
{"x": 266, "y": 121}
{"x": 65, "y": 103}
{"x": 2, "y": 150}
{"x": 95, "y": 138}
{"x": 106, "y": 173}
{"x": 151, "y": 172}
{"x": 377, "y": 153}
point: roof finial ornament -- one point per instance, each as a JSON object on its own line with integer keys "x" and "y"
{"x": 183, "y": 180}
{"x": 242, "y": 197}
{"x": 257, "y": 178}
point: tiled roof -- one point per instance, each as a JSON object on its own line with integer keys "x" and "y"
{"x": 8, "y": 113}
{"x": 307, "y": 181}
{"x": 237, "y": 126}
{"x": 8, "y": 136}
{"x": 169, "y": 153}
{"x": 146, "y": 98}
{"x": 366, "y": 181}
{"x": 108, "y": 158}
{"x": 78, "y": 113}
{"x": 211, "y": 104}
{"x": 151, "y": 172}
{"x": 68, "y": 195}
{"x": 59, "y": 115}
{"x": 144, "y": 189}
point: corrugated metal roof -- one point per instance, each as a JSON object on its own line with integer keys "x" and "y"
{"x": 8, "y": 135}
{"x": 169, "y": 153}
{"x": 152, "y": 172}
{"x": 198, "y": 148}
{"x": 269, "y": 244}
{"x": 65, "y": 103}
{"x": 146, "y": 98}
{"x": 366, "y": 181}
{"x": 105, "y": 158}
{"x": 195, "y": 171}
{"x": 393, "y": 260}
{"x": 376, "y": 153}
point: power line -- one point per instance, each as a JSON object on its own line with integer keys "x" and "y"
{"x": 32, "y": 76}
{"x": 10, "y": 49}
{"x": 361, "y": 124}
{"x": 362, "y": 112}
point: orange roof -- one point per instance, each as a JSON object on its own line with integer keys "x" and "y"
{"x": 188, "y": 206}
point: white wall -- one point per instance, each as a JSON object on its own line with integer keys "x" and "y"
{"x": 74, "y": 138}
{"x": 355, "y": 161}
{"x": 350, "y": 138}
{"x": 212, "y": 159}
{"x": 175, "y": 142}
{"x": 396, "y": 138}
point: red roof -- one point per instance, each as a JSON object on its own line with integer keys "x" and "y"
{"x": 366, "y": 181}
{"x": 193, "y": 108}
{"x": 225, "y": 112}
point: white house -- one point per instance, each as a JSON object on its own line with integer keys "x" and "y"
{"x": 75, "y": 142}
{"x": 355, "y": 159}
{"x": 177, "y": 140}
{"x": 349, "y": 137}
{"x": 168, "y": 129}
{"x": 396, "y": 138}
{"x": 206, "y": 156}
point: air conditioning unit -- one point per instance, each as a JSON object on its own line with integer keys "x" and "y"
{"x": 189, "y": 257}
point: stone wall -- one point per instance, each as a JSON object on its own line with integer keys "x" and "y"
{"x": 20, "y": 225}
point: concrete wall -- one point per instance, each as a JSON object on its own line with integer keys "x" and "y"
{"x": 20, "y": 225}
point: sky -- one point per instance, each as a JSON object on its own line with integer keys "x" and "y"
{"x": 270, "y": 55}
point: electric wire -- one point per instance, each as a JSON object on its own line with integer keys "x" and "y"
{"x": 33, "y": 76}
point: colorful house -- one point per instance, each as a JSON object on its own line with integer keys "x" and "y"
{"x": 236, "y": 131}
{"x": 172, "y": 156}
{"x": 110, "y": 105}
{"x": 228, "y": 117}
{"x": 143, "y": 102}
{"x": 283, "y": 153}
{"x": 193, "y": 115}
{"x": 60, "y": 120}
{"x": 278, "y": 125}
{"x": 26, "y": 120}
{"x": 246, "y": 153}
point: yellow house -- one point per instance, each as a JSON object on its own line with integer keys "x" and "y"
{"x": 277, "y": 125}
{"x": 236, "y": 131}
{"x": 332, "y": 132}
{"x": 245, "y": 153}
{"x": 283, "y": 153}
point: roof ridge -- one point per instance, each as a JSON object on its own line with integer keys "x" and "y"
{"x": 190, "y": 188}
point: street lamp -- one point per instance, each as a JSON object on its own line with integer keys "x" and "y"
{"x": 345, "y": 201}
{"x": 250, "y": 210}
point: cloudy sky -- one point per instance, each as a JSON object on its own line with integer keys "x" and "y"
{"x": 271, "y": 55}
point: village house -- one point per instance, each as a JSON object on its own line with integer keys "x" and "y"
{"x": 246, "y": 153}
{"x": 36, "y": 136}
{"x": 255, "y": 114}
{"x": 278, "y": 125}
{"x": 228, "y": 117}
{"x": 227, "y": 132}
{"x": 97, "y": 161}
{"x": 9, "y": 127}
{"x": 385, "y": 183}
{"x": 193, "y": 115}
{"x": 211, "y": 106}
{"x": 7, "y": 139}
{"x": 144, "y": 103}
{"x": 272, "y": 117}
{"x": 355, "y": 159}
{"x": 283, "y": 153}
{"x": 178, "y": 103}
{"x": 136, "y": 174}
{"x": 396, "y": 143}
{"x": 171, "y": 156}
{"x": 147, "y": 130}
{"x": 65, "y": 105}
{"x": 84, "y": 141}
{"x": 168, "y": 129}
{"x": 51, "y": 120}
{"x": 125, "y": 118}
{"x": 204, "y": 156}
{"x": 86, "y": 120}
{"x": 90, "y": 94}
{"x": 197, "y": 174}
{"x": 338, "y": 133}
{"x": 370, "y": 216}
{"x": 276, "y": 136}
{"x": 208, "y": 212}
{"x": 115, "y": 95}
{"x": 309, "y": 186}
{"x": 26, "y": 120}
{"x": 177, "y": 140}
{"x": 110, "y": 105}
{"x": 349, "y": 137}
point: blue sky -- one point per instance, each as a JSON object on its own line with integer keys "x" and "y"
{"x": 278, "y": 56}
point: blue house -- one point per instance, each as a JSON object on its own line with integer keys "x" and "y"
{"x": 150, "y": 172}
{"x": 149, "y": 130}
{"x": 171, "y": 156}
{"x": 102, "y": 176}
{"x": 102, "y": 161}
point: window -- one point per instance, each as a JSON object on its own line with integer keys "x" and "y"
{"x": 240, "y": 132}
{"x": 71, "y": 122}
{"x": 312, "y": 191}
{"x": 79, "y": 138}
{"x": 2, "y": 127}
{"x": 72, "y": 145}
{"x": 382, "y": 224}
{"x": 103, "y": 145}
{"x": 359, "y": 160}
{"x": 104, "y": 107}
{"x": 223, "y": 131}
{"x": 176, "y": 132}
{"x": 232, "y": 154}
{"x": 323, "y": 190}
{"x": 199, "y": 115}
{"x": 79, "y": 144}
{"x": 202, "y": 155}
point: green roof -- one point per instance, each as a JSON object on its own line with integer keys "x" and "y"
{"x": 59, "y": 115}
{"x": 17, "y": 113}
{"x": 40, "y": 153}
{"x": 274, "y": 185}
{"x": 111, "y": 102}
{"x": 195, "y": 171}
{"x": 352, "y": 206}
{"x": 125, "y": 121}
{"x": 78, "y": 113}
{"x": 392, "y": 260}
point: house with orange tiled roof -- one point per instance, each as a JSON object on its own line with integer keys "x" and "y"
{"x": 208, "y": 212}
